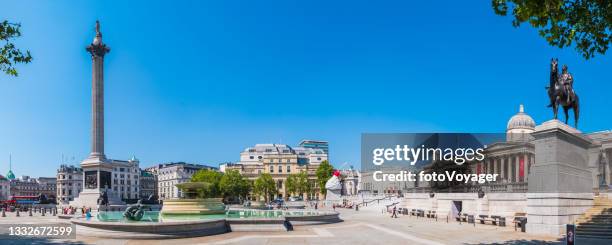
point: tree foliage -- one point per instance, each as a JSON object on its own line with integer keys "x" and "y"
{"x": 324, "y": 172}
{"x": 298, "y": 183}
{"x": 9, "y": 54}
{"x": 584, "y": 23}
{"x": 265, "y": 186}
{"x": 233, "y": 184}
{"x": 209, "y": 176}
{"x": 196, "y": 190}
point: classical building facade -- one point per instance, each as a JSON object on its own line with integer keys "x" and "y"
{"x": 69, "y": 183}
{"x": 280, "y": 160}
{"x": 511, "y": 159}
{"x": 170, "y": 174}
{"x": 26, "y": 186}
{"x": 350, "y": 181}
{"x": 148, "y": 185}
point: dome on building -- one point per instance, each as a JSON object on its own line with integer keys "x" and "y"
{"x": 520, "y": 127}
{"x": 10, "y": 175}
{"x": 521, "y": 121}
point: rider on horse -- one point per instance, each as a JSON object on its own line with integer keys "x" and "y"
{"x": 567, "y": 80}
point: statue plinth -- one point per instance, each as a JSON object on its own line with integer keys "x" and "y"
{"x": 560, "y": 183}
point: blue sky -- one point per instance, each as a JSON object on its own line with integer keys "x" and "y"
{"x": 198, "y": 81}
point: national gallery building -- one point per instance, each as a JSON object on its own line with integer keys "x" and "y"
{"x": 551, "y": 173}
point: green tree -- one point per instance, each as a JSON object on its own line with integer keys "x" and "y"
{"x": 9, "y": 54}
{"x": 233, "y": 184}
{"x": 298, "y": 183}
{"x": 292, "y": 184}
{"x": 303, "y": 185}
{"x": 265, "y": 186}
{"x": 585, "y": 23}
{"x": 324, "y": 172}
{"x": 209, "y": 176}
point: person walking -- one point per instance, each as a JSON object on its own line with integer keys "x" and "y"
{"x": 394, "y": 215}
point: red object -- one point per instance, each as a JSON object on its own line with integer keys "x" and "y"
{"x": 336, "y": 173}
{"x": 521, "y": 168}
{"x": 478, "y": 168}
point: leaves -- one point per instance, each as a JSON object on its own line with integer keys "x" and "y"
{"x": 298, "y": 183}
{"x": 233, "y": 184}
{"x": 324, "y": 172}
{"x": 208, "y": 176}
{"x": 584, "y": 24}
{"x": 265, "y": 186}
{"x": 9, "y": 54}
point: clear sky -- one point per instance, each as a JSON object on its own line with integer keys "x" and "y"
{"x": 199, "y": 82}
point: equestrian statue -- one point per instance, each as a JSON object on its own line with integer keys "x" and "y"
{"x": 561, "y": 92}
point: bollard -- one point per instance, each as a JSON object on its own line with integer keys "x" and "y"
{"x": 17, "y": 214}
{"x": 42, "y": 212}
{"x": 54, "y": 212}
{"x": 3, "y": 214}
{"x": 30, "y": 211}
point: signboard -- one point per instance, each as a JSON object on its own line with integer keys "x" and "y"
{"x": 570, "y": 234}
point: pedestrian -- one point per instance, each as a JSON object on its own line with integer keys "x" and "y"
{"x": 394, "y": 212}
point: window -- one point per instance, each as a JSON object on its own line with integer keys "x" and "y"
{"x": 271, "y": 168}
{"x": 288, "y": 168}
{"x": 280, "y": 168}
{"x": 251, "y": 157}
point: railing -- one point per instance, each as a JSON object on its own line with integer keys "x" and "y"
{"x": 520, "y": 187}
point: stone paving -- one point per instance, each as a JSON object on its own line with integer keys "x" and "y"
{"x": 363, "y": 227}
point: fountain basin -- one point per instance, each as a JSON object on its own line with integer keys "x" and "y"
{"x": 150, "y": 230}
{"x": 155, "y": 225}
{"x": 193, "y": 206}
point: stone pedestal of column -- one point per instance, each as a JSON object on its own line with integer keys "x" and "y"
{"x": 560, "y": 182}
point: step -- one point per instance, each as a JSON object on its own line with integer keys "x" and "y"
{"x": 598, "y": 234}
{"x": 578, "y": 237}
{"x": 596, "y": 226}
{"x": 608, "y": 230}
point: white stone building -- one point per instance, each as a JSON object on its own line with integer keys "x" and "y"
{"x": 170, "y": 174}
{"x": 125, "y": 179}
{"x": 280, "y": 160}
{"x": 69, "y": 183}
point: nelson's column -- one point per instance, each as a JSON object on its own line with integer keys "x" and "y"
{"x": 97, "y": 168}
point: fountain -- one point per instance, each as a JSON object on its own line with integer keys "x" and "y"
{"x": 191, "y": 204}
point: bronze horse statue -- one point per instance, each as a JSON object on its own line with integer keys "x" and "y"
{"x": 561, "y": 92}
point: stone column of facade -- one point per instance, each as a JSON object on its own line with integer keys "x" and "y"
{"x": 560, "y": 184}
{"x": 494, "y": 166}
{"x": 527, "y": 163}
{"x": 501, "y": 168}
{"x": 517, "y": 169}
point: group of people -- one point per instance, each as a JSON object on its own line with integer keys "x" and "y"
{"x": 70, "y": 210}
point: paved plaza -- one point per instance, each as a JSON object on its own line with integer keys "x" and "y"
{"x": 363, "y": 227}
